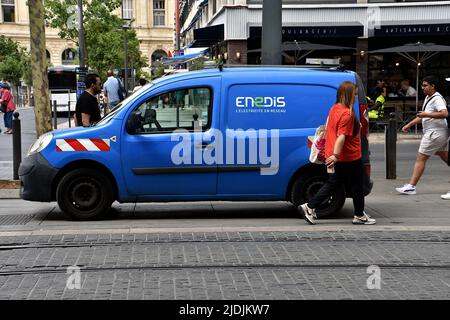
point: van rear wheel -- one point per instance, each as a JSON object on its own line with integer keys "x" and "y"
{"x": 308, "y": 184}
{"x": 84, "y": 194}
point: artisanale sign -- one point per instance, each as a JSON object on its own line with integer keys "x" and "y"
{"x": 412, "y": 30}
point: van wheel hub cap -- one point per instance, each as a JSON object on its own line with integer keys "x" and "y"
{"x": 85, "y": 194}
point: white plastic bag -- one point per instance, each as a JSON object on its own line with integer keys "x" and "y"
{"x": 317, "y": 154}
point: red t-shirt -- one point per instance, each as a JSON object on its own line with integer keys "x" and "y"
{"x": 340, "y": 121}
{"x": 8, "y": 99}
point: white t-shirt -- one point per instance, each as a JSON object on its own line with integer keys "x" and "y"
{"x": 437, "y": 103}
{"x": 411, "y": 92}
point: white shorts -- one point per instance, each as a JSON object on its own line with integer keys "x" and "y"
{"x": 434, "y": 141}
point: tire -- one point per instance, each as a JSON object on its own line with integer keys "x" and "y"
{"x": 306, "y": 186}
{"x": 84, "y": 194}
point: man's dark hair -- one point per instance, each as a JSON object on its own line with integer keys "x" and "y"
{"x": 378, "y": 91}
{"x": 91, "y": 79}
{"x": 432, "y": 80}
{"x": 142, "y": 81}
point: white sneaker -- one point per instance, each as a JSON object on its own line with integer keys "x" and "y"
{"x": 446, "y": 196}
{"x": 365, "y": 219}
{"x": 309, "y": 213}
{"x": 407, "y": 189}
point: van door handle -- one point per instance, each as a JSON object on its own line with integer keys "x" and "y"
{"x": 204, "y": 145}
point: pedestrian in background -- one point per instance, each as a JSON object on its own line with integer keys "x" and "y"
{"x": 406, "y": 90}
{"x": 8, "y": 107}
{"x": 343, "y": 156}
{"x": 142, "y": 83}
{"x": 435, "y": 132}
{"x": 87, "y": 110}
{"x": 376, "y": 107}
{"x": 113, "y": 90}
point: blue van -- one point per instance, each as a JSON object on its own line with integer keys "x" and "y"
{"x": 240, "y": 134}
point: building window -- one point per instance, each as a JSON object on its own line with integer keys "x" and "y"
{"x": 159, "y": 13}
{"x": 127, "y": 9}
{"x": 159, "y": 55}
{"x": 8, "y": 11}
{"x": 69, "y": 56}
{"x": 47, "y": 53}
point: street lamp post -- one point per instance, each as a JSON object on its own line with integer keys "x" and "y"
{"x": 126, "y": 25}
{"x": 81, "y": 40}
{"x": 271, "y": 32}
{"x": 126, "y": 59}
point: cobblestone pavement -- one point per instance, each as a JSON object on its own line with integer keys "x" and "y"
{"x": 228, "y": 265}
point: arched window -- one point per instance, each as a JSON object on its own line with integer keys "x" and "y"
{"x": 69, "y": 56}
{"x": 47, "y": 53}
{"x": 159, "y": 55}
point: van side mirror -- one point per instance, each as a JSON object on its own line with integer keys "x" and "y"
{"x": 134, "y": 122}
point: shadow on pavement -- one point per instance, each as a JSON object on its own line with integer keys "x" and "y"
{"x": 200, "y": 211}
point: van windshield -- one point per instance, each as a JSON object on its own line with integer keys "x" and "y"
{"x": 117, "y": 108}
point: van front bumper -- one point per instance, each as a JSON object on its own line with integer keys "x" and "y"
{"x": 36, "y": 177}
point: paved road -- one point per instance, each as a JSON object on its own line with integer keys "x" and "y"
{"x": 229, "y": 265}
{"x": 222, "y": 250}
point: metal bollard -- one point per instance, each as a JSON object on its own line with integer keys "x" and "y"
{"x": 55, "y": 116}
{"x": 17, "y": 146}
{"x": 68, "y": 112}
{"x": 391, "y": 147}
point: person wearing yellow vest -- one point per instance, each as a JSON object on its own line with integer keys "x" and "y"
{"x": 377, "y": 107}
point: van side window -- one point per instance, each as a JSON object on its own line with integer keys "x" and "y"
{"x": 176, "y": 109}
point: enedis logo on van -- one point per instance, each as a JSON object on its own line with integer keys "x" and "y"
{"x": 260, "y": 104}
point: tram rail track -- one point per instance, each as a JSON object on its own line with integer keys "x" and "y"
{"x": 19, "y": 246}
{"x": 244, "y": 266}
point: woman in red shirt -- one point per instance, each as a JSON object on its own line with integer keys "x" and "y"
{"x": 343, "y": 156}
{"x": 7, "y": 99}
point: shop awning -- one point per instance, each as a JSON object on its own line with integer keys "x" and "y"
{"x": 208, "y": 36}
{"x": 302, "y": 49}
{"x": 319, "y": 30}
{"x": 176, "y": 60}
{"x": 305, "y": 46}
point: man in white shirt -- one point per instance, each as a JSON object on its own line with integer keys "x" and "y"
{"x": 111, "y": 89}
{"x": 406, "y": 90}
{"x": 435, "y": 132}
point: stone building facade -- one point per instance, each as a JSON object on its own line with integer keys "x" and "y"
{"x": 153, "y": 21}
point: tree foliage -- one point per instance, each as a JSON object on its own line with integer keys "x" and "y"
{"x": 104, "y": 33}
{"x": 14, "y": 61}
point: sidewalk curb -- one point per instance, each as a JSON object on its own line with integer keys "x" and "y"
{"x": 9, "y": 193}
{"x": 377, "y": 138}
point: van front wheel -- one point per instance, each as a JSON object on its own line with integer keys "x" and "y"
{"x": 307, "y": 185}
{"x": 84, "y": 194}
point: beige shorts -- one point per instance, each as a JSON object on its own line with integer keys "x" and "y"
{"x": 434, "y": 141}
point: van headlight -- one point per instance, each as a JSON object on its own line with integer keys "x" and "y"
{"x": 40, "y": 144}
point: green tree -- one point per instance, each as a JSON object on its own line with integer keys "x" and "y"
{"x": 197, "y": 65}
{"x": 38, "y": 65}
{"x": 104, "y": 33}
{"x": 13, "y": 61}
{"x": 158, "y": 69}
